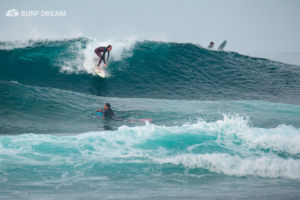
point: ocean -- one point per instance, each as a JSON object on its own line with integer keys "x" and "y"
{"x": 225, "y": 125}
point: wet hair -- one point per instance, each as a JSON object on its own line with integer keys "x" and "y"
{"x": 109, "y": 46}
{"x": 107, "y": 104}
{"x": 211, "y": 43}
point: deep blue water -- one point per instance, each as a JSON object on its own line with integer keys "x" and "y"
{"x": 225, "y": 125}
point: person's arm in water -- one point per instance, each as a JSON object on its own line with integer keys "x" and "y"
{"x": 103, "y": 113}
{"x": 109, "y": 113}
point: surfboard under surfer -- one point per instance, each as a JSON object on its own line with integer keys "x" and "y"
{"x": 103, "y": 50}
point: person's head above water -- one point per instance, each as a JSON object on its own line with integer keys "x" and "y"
{"x": 109, "y": 48}
{"x": 106, "y": 106}
{"x": 211, "y": 45}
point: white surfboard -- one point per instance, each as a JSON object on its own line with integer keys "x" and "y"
{"x": 221, "y": 47}
{"x": 100, "y": 72}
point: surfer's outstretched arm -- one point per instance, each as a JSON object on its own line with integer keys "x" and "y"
{"x": 108, "y": 49}
{"x": 104, "y": 59}
{"x": 107, "y": 57}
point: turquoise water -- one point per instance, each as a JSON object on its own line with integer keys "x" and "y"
{"x": 225, "y": 126}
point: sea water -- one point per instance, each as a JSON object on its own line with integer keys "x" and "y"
{"x": 225, "y": 125}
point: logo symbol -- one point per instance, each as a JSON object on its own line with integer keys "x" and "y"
{"x": 12, "y": 13}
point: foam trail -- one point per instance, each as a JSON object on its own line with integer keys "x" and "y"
{"x": 127, "y": 145}
{"x": 280, "y": 139}
{"x": 265, "y": 166}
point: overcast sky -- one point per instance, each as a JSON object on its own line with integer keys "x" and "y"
{"x": 254, "y": 26}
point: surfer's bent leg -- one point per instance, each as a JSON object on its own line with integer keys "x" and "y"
{"x": 99, "y": 61}
{"x": 100, "y": 56}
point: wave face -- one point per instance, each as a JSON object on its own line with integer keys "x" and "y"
{"x": 244, "y": 144}
{"x": 146, "y": 69}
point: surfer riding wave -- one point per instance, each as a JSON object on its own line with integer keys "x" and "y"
{"x": 102, "y": 56}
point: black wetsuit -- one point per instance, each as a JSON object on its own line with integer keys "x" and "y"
{"x": 101, "y": 56}
{"x": 109, "y": 113}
